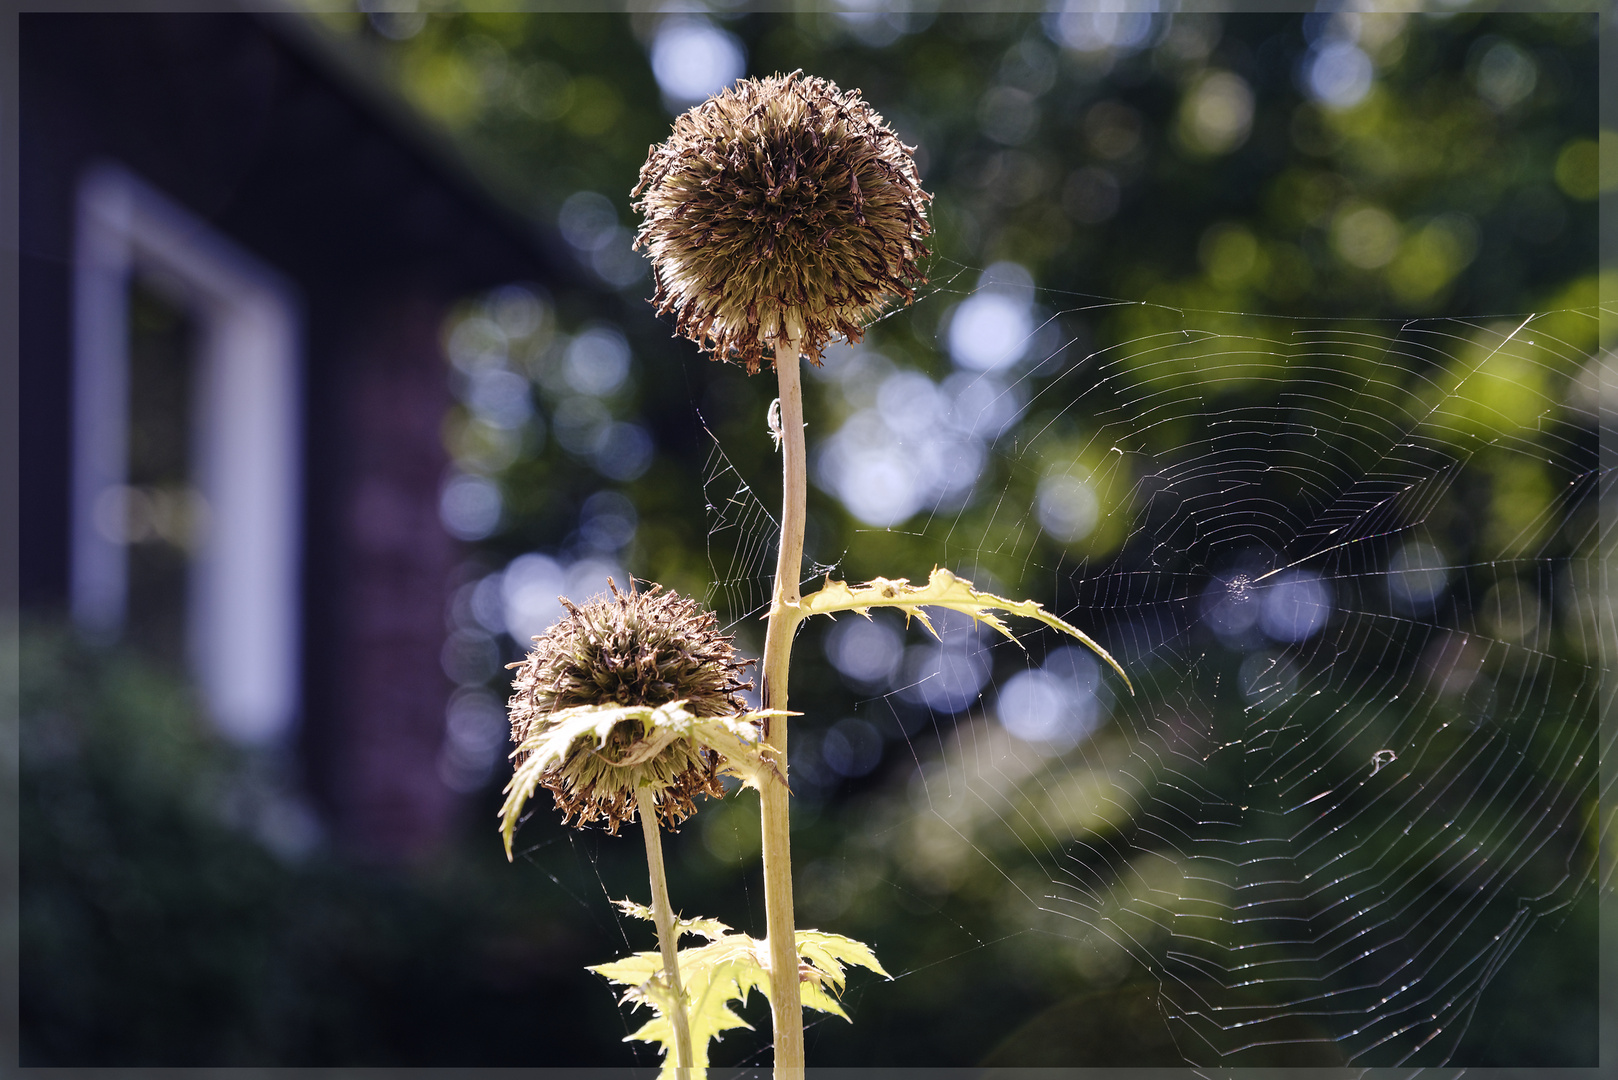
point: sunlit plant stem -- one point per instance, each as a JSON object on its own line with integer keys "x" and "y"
{"x": 663, "y": 915}
{"x": 781, "y": 214}
{"x": 786, "y": 1012}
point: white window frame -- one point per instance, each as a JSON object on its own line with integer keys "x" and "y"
{"x": 244, "y": 614}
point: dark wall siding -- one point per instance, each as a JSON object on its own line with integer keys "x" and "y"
{"x": 229, "y": 116}
{"x": 396, "y": 566}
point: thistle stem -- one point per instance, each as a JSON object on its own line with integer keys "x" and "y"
{"x": 663, "y": 916}
{"x": 786, "y": 1010}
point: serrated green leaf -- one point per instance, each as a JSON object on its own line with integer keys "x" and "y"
{"x": 736, "y": 739}
{"x": 830, "y": 952}
{"x": 945, "y": 590}
{"x": 813, "y": 996}
{"x": 726, "y": 971}
{"x": 713, "y": 976}
{"x": 712, "y": 929}
{"x": 708, "y": 928}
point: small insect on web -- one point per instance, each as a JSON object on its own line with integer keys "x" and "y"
{"x": 774, "y": 423}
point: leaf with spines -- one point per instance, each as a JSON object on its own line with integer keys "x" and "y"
{"x": 582, "y": 731}
{"x": 724, "y": 972}
{"x": 943, "y": 590}
{"x": 711, "y": 929}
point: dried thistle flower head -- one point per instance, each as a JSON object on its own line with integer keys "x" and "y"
{"x": 780, "y": 208}
{"x": 627, "y": 649}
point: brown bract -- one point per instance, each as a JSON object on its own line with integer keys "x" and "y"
{"x": 781, "y": 208}
{"x": 634, "y": 648}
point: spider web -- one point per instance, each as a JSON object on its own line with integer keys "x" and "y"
{"x": 1350, "y": 567}
{"x": 743, "y": 537}
{"x": 744, "y": 533}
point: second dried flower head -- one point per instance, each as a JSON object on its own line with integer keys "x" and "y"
{"x": 781, "y": 209}
{"x": 610, "y": 700}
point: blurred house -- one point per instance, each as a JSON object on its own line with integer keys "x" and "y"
{"x": 237, "y": 253}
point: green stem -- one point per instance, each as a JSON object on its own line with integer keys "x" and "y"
{"x": 786, "y": 1009}
{"x": 667, "y": 939}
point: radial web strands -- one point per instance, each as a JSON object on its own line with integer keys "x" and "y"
{"x": 742, "y": 538}
{"x": 1348, "y": 566}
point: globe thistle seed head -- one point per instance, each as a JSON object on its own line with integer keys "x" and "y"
{"x": 636, "y": 648}
{"x": 780, "y": 208}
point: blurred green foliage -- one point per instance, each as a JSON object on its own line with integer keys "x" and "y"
{"x": 1196, "y": 175}
{"x": 160, "y": 928}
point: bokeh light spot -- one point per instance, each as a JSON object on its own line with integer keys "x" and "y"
{"x": 865, "y": 651}
{"x": 693, "y": 59}
{"x": 990, "y": 329}
{"x": 469, "y": 507}
{"x": 1365, "y": 236}
{"x": 1067, "y": 508}
{"x": 851, "y": 748}
{"x": 624, "y": 451}
{"x": 1217, "y": 114}
{"x": 1296, "y": 605}
{"x": 1338, "y": 74}
{"x": 597, "y": 361}
{"x": 1418, "y": 574}
{"x": 586, "y": 220}
{"x": 1505, "y": 75}
{"x": 1578, "y": 169}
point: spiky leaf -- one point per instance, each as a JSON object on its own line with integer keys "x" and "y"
{"x": 574, "y": 738}
{"x": 943, "y": 590}
{"x": 708, "y": 928}
{"x": 724, "y": 972}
